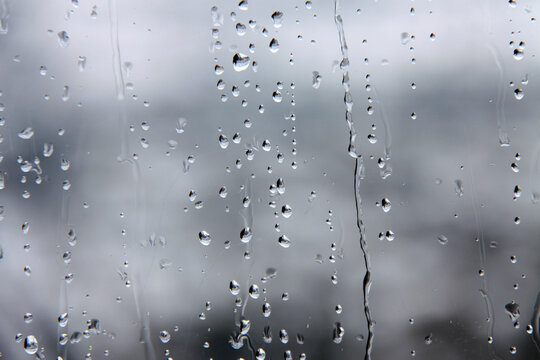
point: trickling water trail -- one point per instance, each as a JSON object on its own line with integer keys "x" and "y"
{"x": 536, "y": 322}
{"x": 4, "y": 15}
{"x": 384, "y": 117}
{"x": 482, "y": 252}
{"x": 117, "y": 62}
{"x": 123, "y": 157}
{"x": 358, "y": 175}
{"x": 504, "y": 140}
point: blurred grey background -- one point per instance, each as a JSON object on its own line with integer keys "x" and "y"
{"x": 145, "y": 174}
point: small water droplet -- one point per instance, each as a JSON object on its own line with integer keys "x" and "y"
{"x": 518, "y": 94}
{"x": 514, "y": 167}
{"x": 443, "y": 240}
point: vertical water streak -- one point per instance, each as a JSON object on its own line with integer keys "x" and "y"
{"x": 504, "y": 139}
{"x": 117, "y": 62}
{"x": 138, "y": 286}
{"x": 358, "y": 175}
{"x": 386, "y": 125}
{"x": 536, "y": 322}
{"x": 482, "y": 253}
{"x": 534, "y": 179}
{"x": 4, "y": 15}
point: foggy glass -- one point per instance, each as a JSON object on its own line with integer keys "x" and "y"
{"x": 269, "y": 179}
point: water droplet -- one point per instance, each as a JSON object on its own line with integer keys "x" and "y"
{"x": 28, "y": 317}
{"x": 266, "y": 146}
{"x": 42, "y": 70}
{"x": 205, "y": 238}
{"x": 164, "y": 336}
{"x": 283, "y": 336}
{"x": 514, "y": 167}
{"x": 260, "y": 354}
{"x": 81, "y": 63}
{"x": 245, "y": 325}
{"x": 459, "y": 187}
{"x": 518, "y": 54}
{"x": 31, "y": 344}
{"x": 273, "y": 46}
{"x": 27, "y": 270}
{"x": 240, "y": 62}
{"x": 48, "y": 149}
{"x": 223, "y": 141}
{"x": 243, "y": 5}
{"x": 266, "y": 309}
{"x": 240, "y": 29}
{"x": 518, "y": 94}
{"x": 245, "y": 235}
{"x": 65, "y": 94}
{"x": 63, "y": 39}
{"x": 284, "y": 241}
{"x": 338, "y": 333}
{"x": 286, "y": 211}
{"x": 372, "y": 138}
{"x": 428, "y": 339}
{"x": 512, "y": 309}
{"x": 26, "y": 134}
{"x": 386, "y": 205}
{"x": 277, "y": 96}
{"x": 64, "y": 164}
{"x": 234, "y": 287}
{"x": 63, "y": 319}
{"x": 277, "y": 18}
{"x": 254, "y": 292}
{"x": 267, "y": 334}
{"x": 316, "y": 79}
{"x": 443, "y": 240}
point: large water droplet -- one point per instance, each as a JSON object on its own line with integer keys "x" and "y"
{"x": 31, "y": 344}
{"x": 164, "y": 336}
{"x": 284, "y": 241}
{"x": 234, "y": 287}
{"x": 273, "y": 46}
{"x": 205, "y": 238}
{"x": 26, "y": 134}
{"x": 240, "y": 62}
{"x": 277, "y": 17}
{"x": 386, "y": 205}
{"x": 245, "y": 235}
